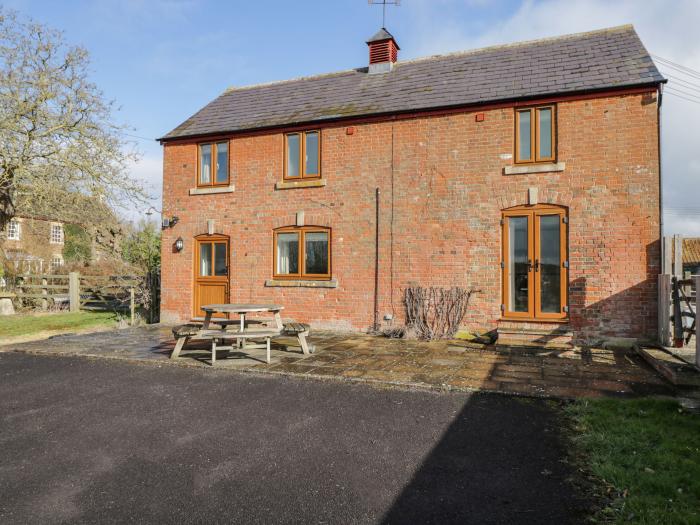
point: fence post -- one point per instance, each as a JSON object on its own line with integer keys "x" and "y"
{"x": 74, "y": 291}
{"x": 132, "y": 305}
{"x": 697, "y": 324}
{"x": 664, "y": 309}
{"x": 678, "y": 256}
{"x": 45, "y": 293}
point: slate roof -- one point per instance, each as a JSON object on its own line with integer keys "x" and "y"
{"x": 380, "y": 35}
{"x": 597, "y": 60}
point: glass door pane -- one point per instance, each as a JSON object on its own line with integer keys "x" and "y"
{"x": 550, "y": 264}
{"x": 220, "y": 259}
{"x": 205, "y": 265}
{"x": 518, "y": 265}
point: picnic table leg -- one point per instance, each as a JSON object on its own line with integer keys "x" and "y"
{"x": 302, "y": 341}
{"x": 213, "y": 352}
{"x": 242, "y": 340}
{"x": 267, "y": 339}
{"x": 207, "y": 320}
{"x": 278, "y": 320}
{"x": 182, "y": 341}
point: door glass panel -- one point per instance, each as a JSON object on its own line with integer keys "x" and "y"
{"x": 205, "y": 265}
{"x": 550, "y": 264}
{"x": 220, "y": 259}
{"x": 316, "y": 252}
{"x": 518, "y": 264}
{"x": 221, "y": 163}
{"x": 205, "y": 164}
{"x": 524, "y": 138}
{"x": 293, "y": 155}
{"x": 545, "y": 116}
{"x": 287, "y": 253}
{"x": 311, "y": 167}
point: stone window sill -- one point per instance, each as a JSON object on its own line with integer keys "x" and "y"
{"x": 534, "y": 168}
{"x": 301, "y": 283}
{"x": 213, "y": 189}
{"x": 290, "y": 184}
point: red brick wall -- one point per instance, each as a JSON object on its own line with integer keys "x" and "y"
{"x": 442, "y": 191}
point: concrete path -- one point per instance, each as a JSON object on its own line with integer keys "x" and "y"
{"x": 442, "y": 365}
{"x": 100, "y": 441}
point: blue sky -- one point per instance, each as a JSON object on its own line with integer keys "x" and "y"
{"x": 162, "y": 60}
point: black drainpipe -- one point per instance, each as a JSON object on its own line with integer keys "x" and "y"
{"x": 376, "y": 266}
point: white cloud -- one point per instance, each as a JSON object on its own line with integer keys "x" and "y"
{"x": 666, "y": 28}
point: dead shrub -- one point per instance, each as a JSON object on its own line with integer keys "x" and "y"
{"x": 435, "y": 313}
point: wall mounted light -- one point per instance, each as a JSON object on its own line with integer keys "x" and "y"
{"x": 179, "y": 244}
{"x": 169, "y": 223}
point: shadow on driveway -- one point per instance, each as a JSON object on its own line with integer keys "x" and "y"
{"x": 110, "y": 441}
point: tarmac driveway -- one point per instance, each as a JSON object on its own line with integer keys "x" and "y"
{"x": 85, "y": 440}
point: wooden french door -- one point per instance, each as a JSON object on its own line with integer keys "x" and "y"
{"x": 211, "y": 275}
{"x": 535, "y": 265}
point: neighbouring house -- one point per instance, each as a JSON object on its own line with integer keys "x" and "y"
{"x": 34, "y": 241}
{"x": 691, "y": 255}
{"x": 528, "y": 172}
{"x": 34, "y": 244}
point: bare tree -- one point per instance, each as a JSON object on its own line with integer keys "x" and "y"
{"x": 56, "y": 129}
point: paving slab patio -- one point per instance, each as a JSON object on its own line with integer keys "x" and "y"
{"x": 445, "y": 365}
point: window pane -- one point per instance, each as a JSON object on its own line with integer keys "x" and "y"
{"x": 518, "y": 264}
{"x": 524, "y": 138}
{"x": 545, "y": 116}
{"x": 311, "y": 167}
{"x": 316, "y": 253}
{"x": 205, "y": 259}
{"x": 205, "y": 164}
{"x": 220, "y": 259}
{"x": 293, "y": 155}
{"x": 221, "y": 163}
{"x": 287, "y": 253}
{"x": 550, "y": 264}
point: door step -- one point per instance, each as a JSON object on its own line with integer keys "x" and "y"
{"x": 547, "y": 337}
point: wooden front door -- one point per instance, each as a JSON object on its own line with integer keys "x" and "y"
{"x": 211, "y": 282}
{"x": 535, "y": 266}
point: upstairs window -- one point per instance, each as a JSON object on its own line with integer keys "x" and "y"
{"x": 56, "y": 234}
{"x": 13, "y": 230}
{"x": 302, "y": 155}
{"x": 213, "y": 164}
{"x": 535, "y": 134}
{"x": 302, "y": 253}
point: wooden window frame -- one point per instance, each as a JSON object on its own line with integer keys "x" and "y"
{"x": 302, "y": 155}
{"x": 301, "y": 275}
{"x": 62, "y": 234}
{"x": 534, "y": 312}
{"x": 17, "y": 230}
{"x": 214, "y": 145}
{"x": 535, "y": 134}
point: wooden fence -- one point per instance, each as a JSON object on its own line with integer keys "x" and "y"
{"x": 119, "y": 293}
{"x": 677, "y": 300}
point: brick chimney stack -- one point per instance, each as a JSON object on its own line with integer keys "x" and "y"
{"x": 383, "y": 52}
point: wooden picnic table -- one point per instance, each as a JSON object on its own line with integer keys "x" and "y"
{"x": 186, "y": 332}
{"x": 241, "y": 310}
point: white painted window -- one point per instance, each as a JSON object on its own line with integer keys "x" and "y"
{"x": 13, "y": 232}
{"x": 56, "y": 263}
{"x": 56, "y": 234}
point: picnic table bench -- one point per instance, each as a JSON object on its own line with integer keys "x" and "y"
{"x": 244, "y": 332}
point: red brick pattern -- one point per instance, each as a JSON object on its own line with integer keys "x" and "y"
{"x": 442, "y": 187}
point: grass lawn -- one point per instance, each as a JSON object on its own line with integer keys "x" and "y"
{"x": 647, "y": 451}
{"x": 28, "y": 324}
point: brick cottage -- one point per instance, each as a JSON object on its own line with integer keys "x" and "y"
{"x": 529, "y": 172}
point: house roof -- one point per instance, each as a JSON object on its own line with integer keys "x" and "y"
{"x": 584, "y": 62}
{"x": 380, "y": 35}
{"x": 691, "y": 250}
